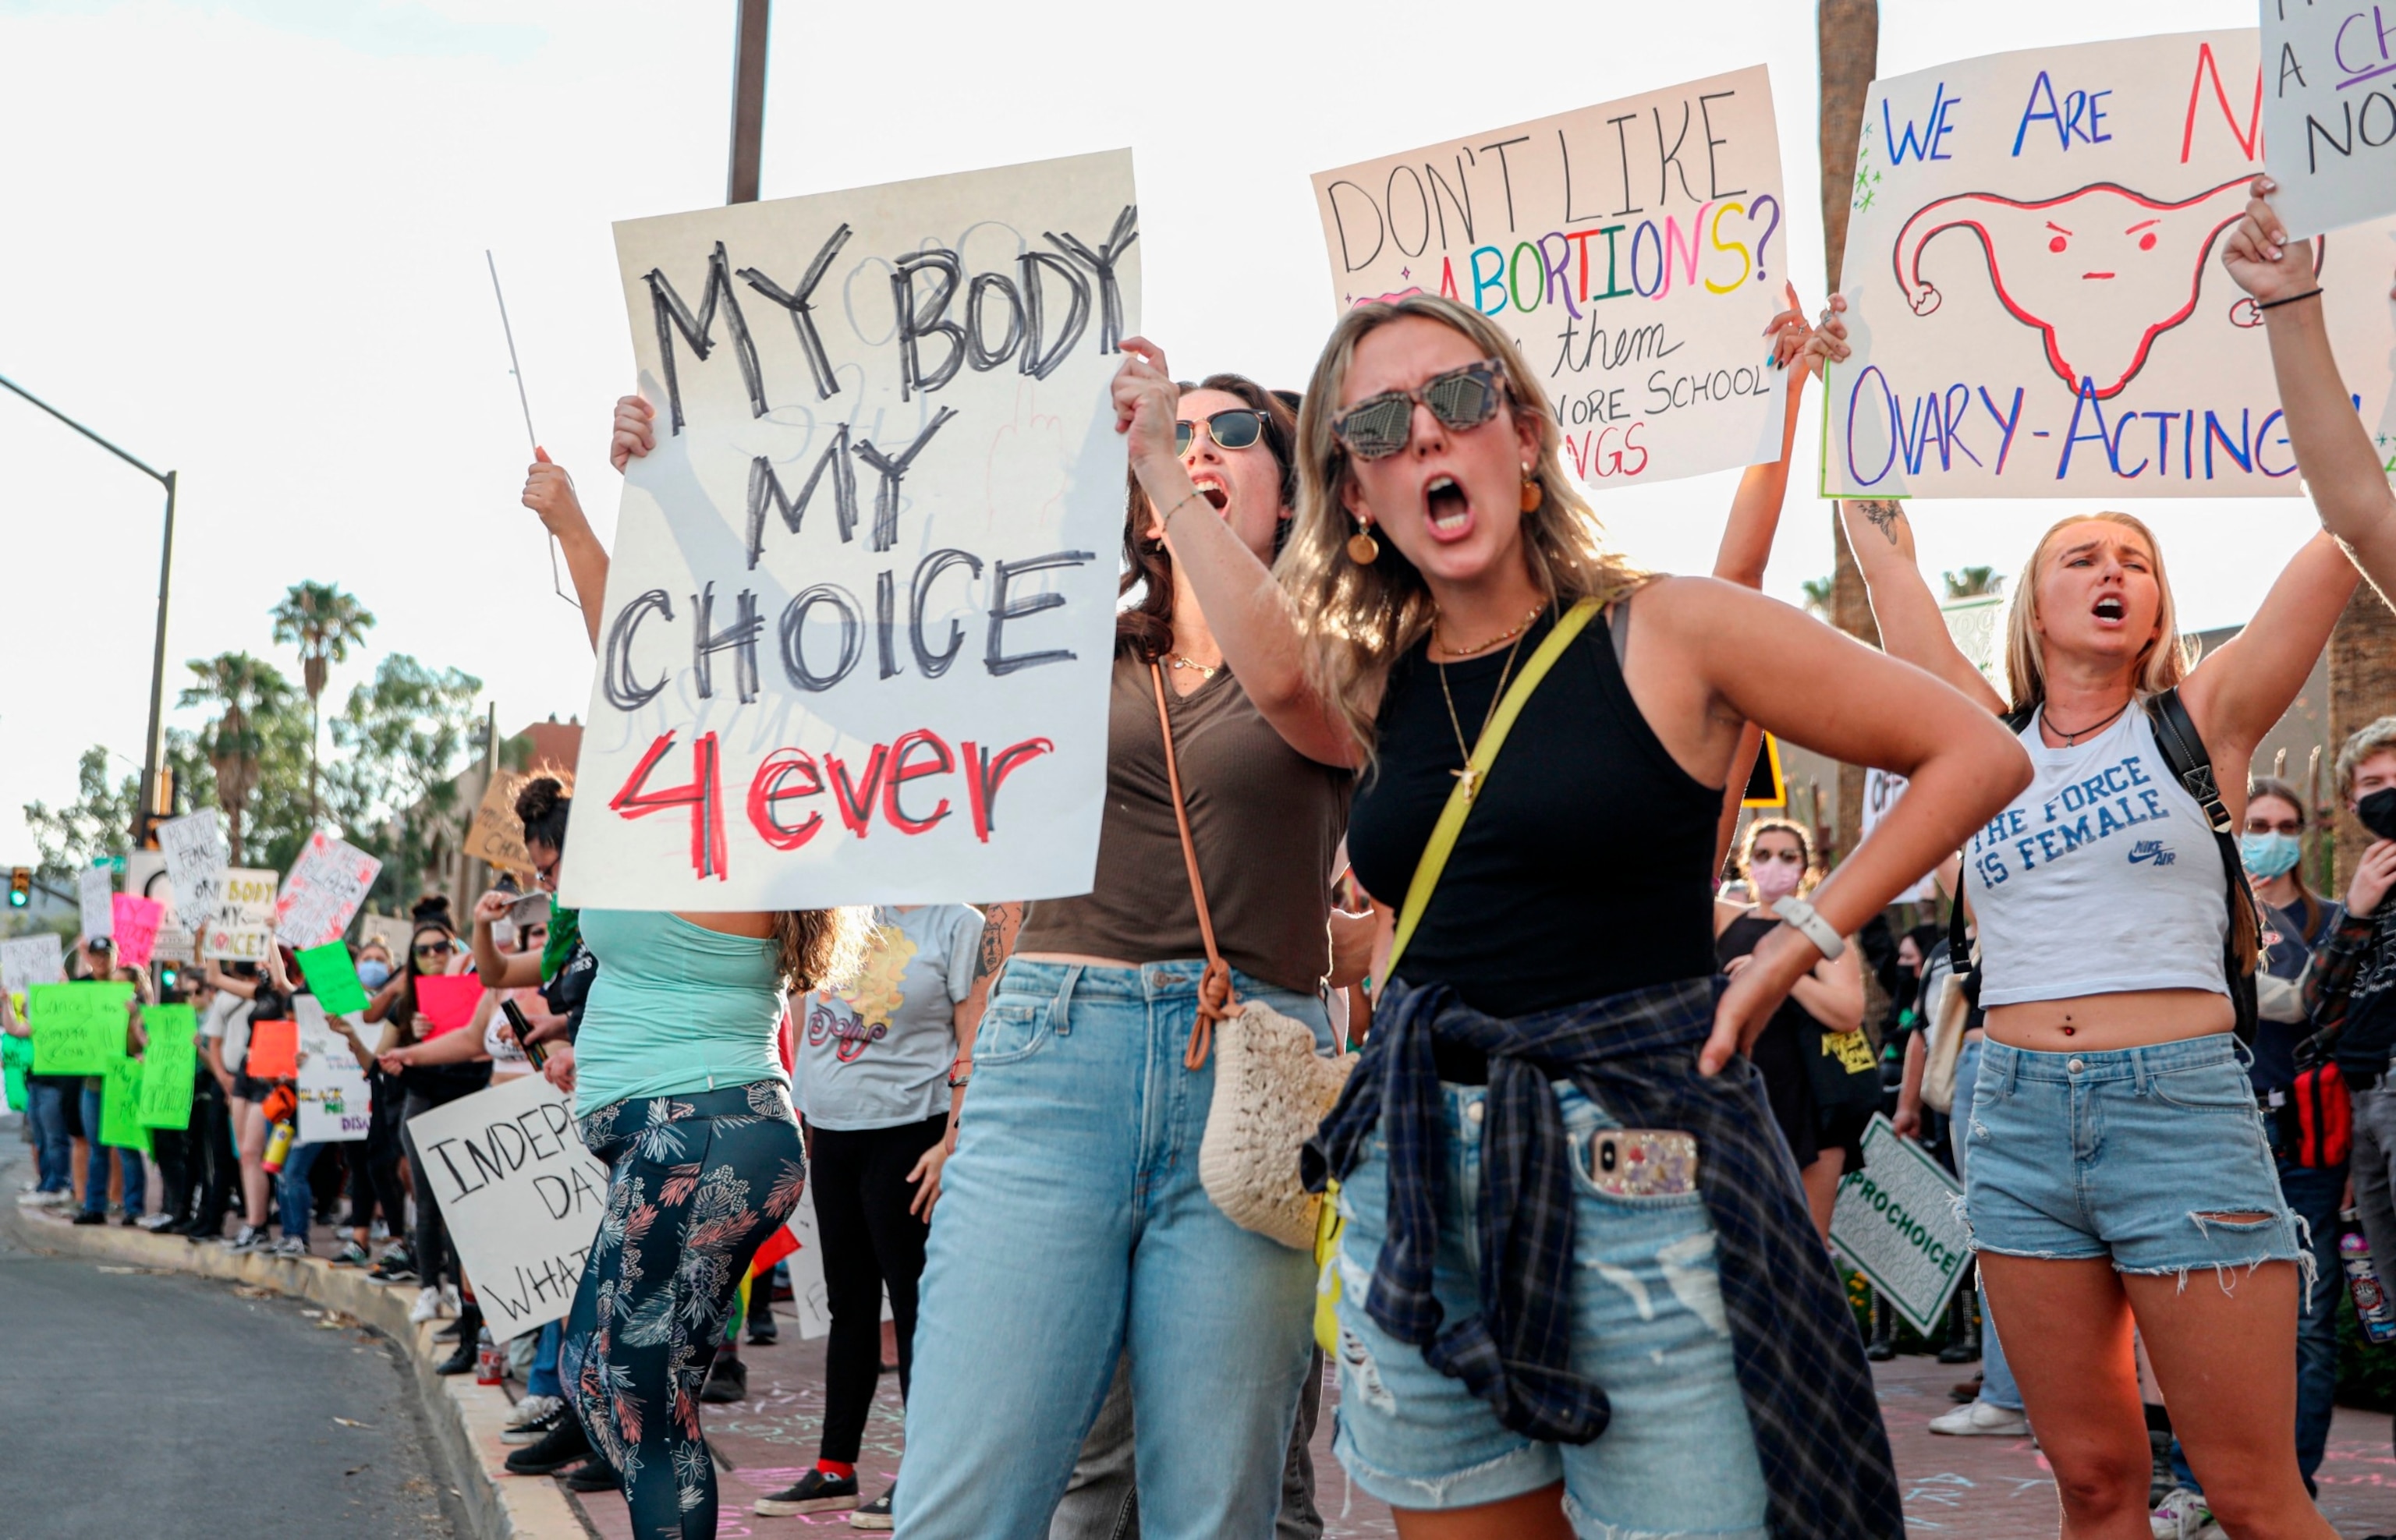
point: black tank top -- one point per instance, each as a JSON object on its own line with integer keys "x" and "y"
{"x": 1586, "y": 869}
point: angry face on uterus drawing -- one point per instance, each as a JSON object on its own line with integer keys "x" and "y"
{"x": 2035, "y": 291}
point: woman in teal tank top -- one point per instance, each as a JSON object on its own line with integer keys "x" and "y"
{"x": 679, "y": 1087}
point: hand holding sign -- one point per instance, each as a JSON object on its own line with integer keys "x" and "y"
{"x": 447, "y": 1002}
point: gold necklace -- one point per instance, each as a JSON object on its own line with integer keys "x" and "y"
{"x": 1471, "y": 775}
{"x": 1519, "y": 628}
{"x": 1182, "y": 662}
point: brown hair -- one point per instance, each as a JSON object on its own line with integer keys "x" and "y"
{"x": 820, "y": 946}
{"x": 1145, "y": 630}
{"x": 2164, "y": 663}
{"x": 2372, "y": 737}
{"x": 1363, "y": 618}
{"x": 2272, "y": 785}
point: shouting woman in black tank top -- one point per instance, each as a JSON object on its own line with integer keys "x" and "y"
{"x": 1593, "y": 1274}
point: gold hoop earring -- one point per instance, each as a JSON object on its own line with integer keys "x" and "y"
{"x": 1362, "y": 548}
{"x": 1533, "y": 493}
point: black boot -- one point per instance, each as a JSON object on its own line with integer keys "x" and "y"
{"x": 470, "y": 1342}
{"x": 1964, "y": 1337}
{"x": 727, "y": 1381}
{"x": 560, "y": 1447}
{"x": 1883, "y": 1346}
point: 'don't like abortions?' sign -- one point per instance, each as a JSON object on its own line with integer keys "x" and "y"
{"x": 859, "y": 616}
{"x": 2035, "y": 289}
{"x": 1635, "y": 251}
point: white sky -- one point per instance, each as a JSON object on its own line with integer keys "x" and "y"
{"x": 246, "y": 240}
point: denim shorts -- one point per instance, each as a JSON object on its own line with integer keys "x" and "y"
{"x": 2133, "y": 1156}
{"x": 1647, "y": 1326}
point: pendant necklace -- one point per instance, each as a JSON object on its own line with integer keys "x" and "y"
{"x": 1470, "y": 775}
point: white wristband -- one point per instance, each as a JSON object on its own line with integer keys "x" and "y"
{"x": 1812, "y": 927}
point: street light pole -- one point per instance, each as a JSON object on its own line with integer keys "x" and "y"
{"x": 748, "y": 100}
{"x": 165, "y": 569}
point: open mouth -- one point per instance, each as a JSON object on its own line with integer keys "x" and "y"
{"x": 1446, "y": 509}
{"x": 1217, "y": 496}
{"x": 2110, "y": 609}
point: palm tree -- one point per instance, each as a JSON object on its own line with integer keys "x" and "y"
{"x": 1973, "y": 582}
{"x": 1847, "y": 54}
{"x": 243, "y": 689}
{"x": 1818, "y": 595}
{"x": 322, "y": 622}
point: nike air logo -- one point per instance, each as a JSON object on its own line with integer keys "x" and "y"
{"x": 2153, "y": 850}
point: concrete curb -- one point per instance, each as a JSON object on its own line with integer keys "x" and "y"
{"x": 466, "y": 1418}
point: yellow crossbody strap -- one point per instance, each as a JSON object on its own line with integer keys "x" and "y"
{"x": 1485, "y": 754}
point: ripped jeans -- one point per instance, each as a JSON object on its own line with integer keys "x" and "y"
{"x": 2153, "y": 1158}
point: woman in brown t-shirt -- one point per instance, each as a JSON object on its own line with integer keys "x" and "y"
{"x": 1072, "y": 1228}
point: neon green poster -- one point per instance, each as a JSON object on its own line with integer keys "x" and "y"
{"x": 78, "y": 1029}
{"x": 120, "y": 1106}
{"x": 168, "y": 1066}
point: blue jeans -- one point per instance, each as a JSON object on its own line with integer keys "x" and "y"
{"x": 1997, "y": 1386}
{"x": 1072, "y": 1228}
{"x": 46, "y": 1103}
{"x": 95, "y": 1171}
{"x": 1647, "y": 1326}
{"x": 2314, "y": 1193}
{"x": 292, "y": 1189}
{"x": 542, "y": 1379}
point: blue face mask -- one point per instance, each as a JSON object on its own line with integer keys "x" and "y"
{"x": 374, "y": 972}
{"x": 2268, "y": 855}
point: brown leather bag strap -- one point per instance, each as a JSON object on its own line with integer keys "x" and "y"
{"x": 1215, "y": 998}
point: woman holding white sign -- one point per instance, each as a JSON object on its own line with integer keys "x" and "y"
{"x": 1549, "y": 1064}
{"x": 2116, "y": 939}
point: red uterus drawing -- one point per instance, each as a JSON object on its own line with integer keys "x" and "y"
{"x": 2101, "y": 272}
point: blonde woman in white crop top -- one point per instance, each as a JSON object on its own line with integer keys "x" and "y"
{"x": 2118, "y": 1171}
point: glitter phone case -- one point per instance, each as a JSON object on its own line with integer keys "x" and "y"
{"x": 1643, "y": 1163}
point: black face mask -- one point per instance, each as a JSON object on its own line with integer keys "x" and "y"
{"x": 2378, "y": 812}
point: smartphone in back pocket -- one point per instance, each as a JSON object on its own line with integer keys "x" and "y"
{"x": 1643, "y": 1163}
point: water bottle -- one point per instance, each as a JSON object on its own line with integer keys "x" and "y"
{"x": 490, "y": 1360}
{"x": 2372, "y": 1307}
{"x": 278, "y": 1145}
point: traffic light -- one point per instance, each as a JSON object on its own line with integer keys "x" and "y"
{"x": 20, "y": 886}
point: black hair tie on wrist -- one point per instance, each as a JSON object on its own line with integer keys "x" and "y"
{"x": 2290, "y": 300}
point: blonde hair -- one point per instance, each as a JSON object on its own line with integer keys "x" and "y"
{"x": 2374, "y": 738}
{"x": 2164, "y": 662}
{"x": 1361, "y": 619}
{"x": 1807, "y": 877}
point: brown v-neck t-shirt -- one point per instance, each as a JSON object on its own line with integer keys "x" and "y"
{"x": 1267, "y": 822}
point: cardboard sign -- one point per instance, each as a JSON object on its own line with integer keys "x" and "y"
{"x": 78, "y": 1029}
{"x": 336, "y": 1099}
{"x": 496, "y": 834}
{"x": 135, "y": 927}
{"x": 1882, "y": 788}
{"x": 145, "y": 877}
{"x": 394, "y": 934}
{"x": 334, "y": 978}
{"x": 273, "y": 1050}
{"x": 447, "y": 1002}
{"x": 168, "y": 1065}
{"x": 243, "y": 926}
{"x": 2329, "y": 111}
{"x": 859, "y": 616}
{"x": 2035, "y": 290}
{"x": 193, "y": 847}
{"x": 120, "y": 1108}
{"x": 1635, "y": 250}
{"x": 521, "y": 1196}
{"x": 96, "y": 889}
{"x": 1896, "y": 1222}
{"x": 30, "y": 960}
{"x": 327, "y": 883}
{"x": 16, "y": 1060}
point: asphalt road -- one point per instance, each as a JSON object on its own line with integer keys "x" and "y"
{"x": 161, "y": 1404}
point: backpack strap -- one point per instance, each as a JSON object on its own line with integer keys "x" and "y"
{"x": 2192, "y": 765}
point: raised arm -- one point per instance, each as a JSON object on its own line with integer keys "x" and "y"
{"x": 1755, "y": 510}
{"x": 2240, "y": 689}
{"x": 2342, "y": 470}
{"x": 549, "y": 492}
{"x": 500, "y": 970}
{"x": 1251, "y": 618}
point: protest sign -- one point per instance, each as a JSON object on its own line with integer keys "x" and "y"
{"x": 520, "y": 1194}
{"x": 2035, "y": 290}
{"x": 30, "y": 960}
{"x": 336, "y": 1101}
{"x": 167, "y": 1065}
{"x": 95, "y": 887}
{"x": 392, "y": 933}
{"x": 1882, "y": 787}
{"x": 859, "y": 615}
{"x": 273, "y": 1050}
{"x": 1896, "y": 1222}
{"x": 145, "y": 877}
{"x": 447, "y": 1002}
{"x": 334, "y": 978}
{"x": 193, "y": 846}
{"x": 1635, "y": 251}
{"x": 2329, "y": 111}
{"x": 243, "y": 926}
{"x": 120, "y": 1106}
{"x": 78, "y": 1029}
{"x": 496, "y": 834}
{"x": 810, "y": 1300}
{"x": 327, "y": 883}
{"x": 136, "y": 922}
{"x": 16, "y": 1058}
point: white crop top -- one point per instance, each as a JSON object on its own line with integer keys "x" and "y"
{"x": 2102, "y": 877}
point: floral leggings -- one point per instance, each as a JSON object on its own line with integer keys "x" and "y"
{"x": 696, "y": 1183}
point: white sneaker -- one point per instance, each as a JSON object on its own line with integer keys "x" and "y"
{"x": 426, "y": 1306}
{"x": 2182, "y": 1515}
{"x": 449, "y": 1305}
{"x": 1979, "y": 1419}
{"x": 534, "y": 1415}
{"x": 246, "y": 1239}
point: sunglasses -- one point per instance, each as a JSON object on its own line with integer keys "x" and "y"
{"x": 1379, "y": 426}
{"x": 438, "y": 949}
{"x": 1236, "y": 428}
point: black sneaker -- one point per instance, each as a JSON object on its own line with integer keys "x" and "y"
{"x": 816, "y": 1493}
{"x": 351, "y": 1255}
{"x": 560, "y": 1447}
{"x": 462, "y": 1360}
{"x": 875, "y": 1515}
{"x": 596, "y": 1475}
{"x": 90, "y": 1216}
{"x": 727, "y": 1381}
{"x": 399, "y": 1265}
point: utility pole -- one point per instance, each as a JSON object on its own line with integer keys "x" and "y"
{"x": 748, "y": 99}
{"x": 149, "y": 801}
